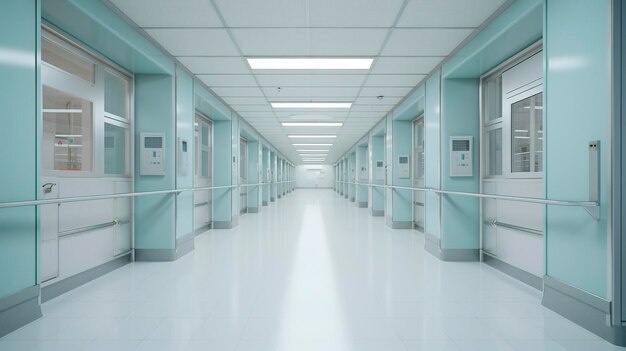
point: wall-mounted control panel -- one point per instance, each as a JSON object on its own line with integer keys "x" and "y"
{"x": 183, "y": 156}
{"x": 379, "y": 171}
{"x": 461, "y": 163}
{"x": 363, "y": 173}
{"x": 402, "y": 165}
{"x": 152, "y": 154}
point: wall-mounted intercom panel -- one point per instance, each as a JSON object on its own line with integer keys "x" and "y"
{"x": 152, "y": 154}
{"x": 183, "y": 156}
{"x": 402, "y": 165}
{"x": 379, "y": 172}
{"x": 461, "y": 163}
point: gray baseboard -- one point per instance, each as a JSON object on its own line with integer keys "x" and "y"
{"x": 61, "y": 287}
{"x": 402, "y": 224}
{"x": 432, "y": 245}
{"x": 19, "y": 309}
{"x": 352, "y": 199}
{"x": 279, "y": 196}
{"x": 519, "y": 274}
{"x": 589, "y": 311}
{"x": 345, "y": 196}
{"x": 378, "y": 213}
{"x": 155, "y": 255}
{"x": 341, "y": 193}
{"x": 201, "y": 230}
{"x": 362, "y": 204}
{"x": 223, "y": 224}
{"x": 264, "y": 203}
{"x": 253, "y": 210}
{"x": 459, "y": 255}
{"x": 184, "y": 245}
{"x": 272, "y": 199}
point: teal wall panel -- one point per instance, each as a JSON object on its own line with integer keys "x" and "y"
{"x": 578, "y": 110}
{"x": 19, "y": 114}
{"x": 432, "y": 149}
{"x": 154, "y": 112}
{"x": 517, "y": 27}
{"x": 460, "y": 117}
{"x": 185, "y": 131}
{"x": 99, "y": 27}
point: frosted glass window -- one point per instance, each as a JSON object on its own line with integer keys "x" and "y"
{"x": 527, "y": 135}
{"x": 203, "y": 148}
{"x": 492, "y": 98}
{"x": 494, "y": 149}
{"x": 67, "y": 131}
{"x": 115, "y": 150}
{"x": 67, "y": 61}
{"x": 115, "y": 95}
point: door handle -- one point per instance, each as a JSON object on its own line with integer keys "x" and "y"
{"x": 47, "y": 188}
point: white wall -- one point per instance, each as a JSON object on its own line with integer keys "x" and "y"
{"x": 318, "y": 176}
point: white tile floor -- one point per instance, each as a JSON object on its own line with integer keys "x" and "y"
{"x": 310, "y": 272}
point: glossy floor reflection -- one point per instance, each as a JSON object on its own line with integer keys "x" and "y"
{"x": 310, "y": 272}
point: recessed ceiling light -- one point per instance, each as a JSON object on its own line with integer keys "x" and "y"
{"x": 312, "y": 144}
{"x": 304, "y": 105}
{"x": 313, "y": 155}
{"x": 311, "y": 150}
{"x": 310, "y": 63}
{"x": 312, "y": 124}
{"x": 312, "y": 136}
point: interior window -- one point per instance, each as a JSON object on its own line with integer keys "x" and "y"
{"x": 67, "y": 131}
{"x": 527, "y": 135}
{"x": 67, "y": 61}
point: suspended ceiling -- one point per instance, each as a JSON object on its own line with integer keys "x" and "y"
{"x": 406, "y": 38}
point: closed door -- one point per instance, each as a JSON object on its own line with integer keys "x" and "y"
{"x": 203, "y": 172}
{"x": 243, "y": 176}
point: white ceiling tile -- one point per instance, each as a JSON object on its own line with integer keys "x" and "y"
{"x": 237, "y": 91}
{"x": 394, "y": 80}
{"x": 307, "y": 93}
{"x": 265, "y": 107}
{"x": 448, "y": 13}
{"x": 214, "y": 65}
{"x": 272, "y": 41}
{"x": 228, "y": 80}
{"x": 266, "y": 13}
{"x": 167, "y": 13}
{"x": 366, "y": 114}
{"x": 424, "y": 42}
{"x": 194, "y": 41}
{"x": 247, "y": 114}
{"x": 349, "y": 42}
{"x": 305, "y": 80}
{"x": 371, "y": 107}
{"x": 353, "y": 13}
{"x": 405, "y": 65}
{"x": 385, "y": 91}
{"x": 374, "y": 101}
{"x": 245, "y": 100}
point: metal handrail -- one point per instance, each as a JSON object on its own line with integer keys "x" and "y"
{"x": 495, "y": 223}
{"x": 106, "y": 197}
{"x": 124, "y": 195}
{"x": 585, "y": 204}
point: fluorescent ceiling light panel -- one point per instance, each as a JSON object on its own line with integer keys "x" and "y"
{"x": 305, "y": 105}
{"x": 310, "y": 63}
{"x": 313, "y": 155}
{"x": 311, "y": 150}
{"x": 312, "y": 124}
{"x": 312, "y": 144}
{"x": 312, "y": 136}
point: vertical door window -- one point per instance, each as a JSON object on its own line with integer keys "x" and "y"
{"x": 492, "y": 125}
{"x": 418, "y": 151}
{"x": 116, "y": 160}
{"x": 67, "y": 131}
{"x": 527, "y": 135}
